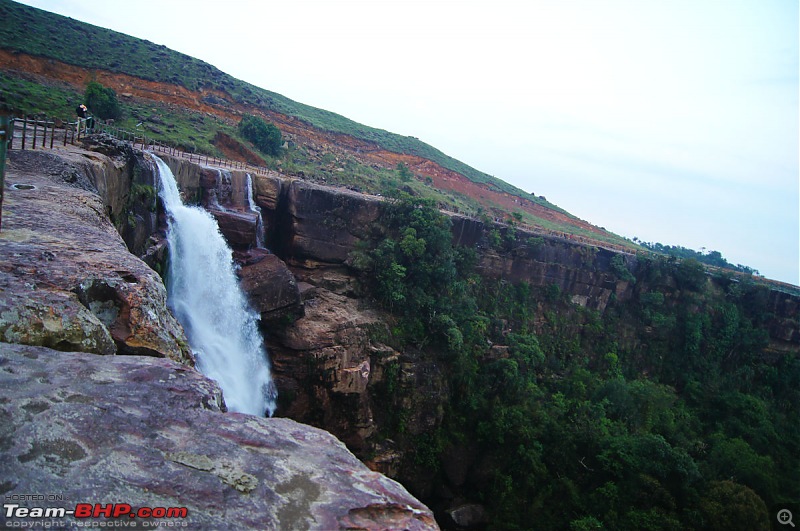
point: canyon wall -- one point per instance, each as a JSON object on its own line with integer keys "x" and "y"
{"x": 335, "y": 363}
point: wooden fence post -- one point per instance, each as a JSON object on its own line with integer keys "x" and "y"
{"x": 4, "y": 131}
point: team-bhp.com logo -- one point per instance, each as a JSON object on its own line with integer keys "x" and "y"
{"x": 122, "y": 513}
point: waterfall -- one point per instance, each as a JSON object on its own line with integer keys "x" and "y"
{"x": 222, "y": 192}
{"x": 251, "y": 204}
{"x": 204, "y": 294}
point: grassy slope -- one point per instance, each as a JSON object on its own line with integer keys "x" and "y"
{"x": 31, "y": 30}
{"x": 41, "y": 33}
{"x": 44, "y": 34}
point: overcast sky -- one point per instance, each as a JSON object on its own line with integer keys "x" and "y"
{"x": 669, "y": 120}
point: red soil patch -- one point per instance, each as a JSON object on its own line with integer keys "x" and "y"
{"x": 235, "y": 150}
{"x": 366, "y": 152}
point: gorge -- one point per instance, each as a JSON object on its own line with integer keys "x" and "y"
{"x": 445, "y": 416}
{"x": 448, "y": 350}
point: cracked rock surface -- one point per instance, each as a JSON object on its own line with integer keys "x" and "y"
{"x": 152, "y": 432}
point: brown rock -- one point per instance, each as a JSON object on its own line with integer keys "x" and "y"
{"x": 267, "y": 190}
{"x": 68, "y": 280}
{"x": 328, "y": 361}
{"x": 151, "y": 432}
{"x": 327, "y": 223}
{"x": 239, "y": 228}
{"x": 269, "y": 284}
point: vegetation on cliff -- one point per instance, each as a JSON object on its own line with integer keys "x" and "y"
{"x": 663, "y": 413}
{"x": 712, "y": 258}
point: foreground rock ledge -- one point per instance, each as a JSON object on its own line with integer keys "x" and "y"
{"x": 152, "y": 432}
{"x": 67, "y": 279}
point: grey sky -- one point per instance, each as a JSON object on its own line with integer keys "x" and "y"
{"x": 675, "y": 121}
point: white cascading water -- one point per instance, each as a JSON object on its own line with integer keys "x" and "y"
{"x": 205, "y": 297}
{"x": 251, "y": 204}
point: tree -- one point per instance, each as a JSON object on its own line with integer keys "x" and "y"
{"x": 729, "y": 505}
{"x": 690, "y": 275}
{"x": 405, "y": 173}
{"x": 102, "y": 101}
{"x": 264, "y": 135}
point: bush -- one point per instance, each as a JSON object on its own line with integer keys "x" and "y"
{"x": 619, "y": 268}
{"x": 690, "y": 275}
{"x": 102, "y": 101}
{"x": 265, "y": 136}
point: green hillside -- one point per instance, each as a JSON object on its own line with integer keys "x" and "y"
{"x": 33, "y": 31}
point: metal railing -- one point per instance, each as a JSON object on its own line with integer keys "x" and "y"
{"x": 138, "y": 139}
{"x": 32, "y": 132}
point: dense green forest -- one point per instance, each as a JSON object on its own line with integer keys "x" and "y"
{"x": 662, "y": 413}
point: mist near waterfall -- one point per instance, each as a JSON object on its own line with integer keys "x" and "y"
{"x": 204, "y": 294}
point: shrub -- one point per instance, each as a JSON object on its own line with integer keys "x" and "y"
{"x": 102, "y": 101}
{"x": 264, "y": 135}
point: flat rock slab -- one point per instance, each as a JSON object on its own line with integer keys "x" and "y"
{"x": 150, "y": 432}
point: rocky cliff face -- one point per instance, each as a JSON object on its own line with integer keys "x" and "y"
{"x": 68, "y": 280}
{"x": 151, "y": 432}
{"x": 332, "y": 352}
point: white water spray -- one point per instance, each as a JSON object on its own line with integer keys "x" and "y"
{"x": 205, "y": 297}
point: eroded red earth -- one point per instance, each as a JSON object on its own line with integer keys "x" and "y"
{"x": 300, "y": 131}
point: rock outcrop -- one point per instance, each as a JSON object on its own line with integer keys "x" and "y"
{"x": 270, "y": 285}
{"x": 152, "y": 433}
{"x": 67, "y": 279}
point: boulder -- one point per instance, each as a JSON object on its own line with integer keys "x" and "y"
{"x": 239, "y": 228}
{"x": 153, "y": 433}
{"x": 468, "y": 516}
{"x": 270, "y": 286}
